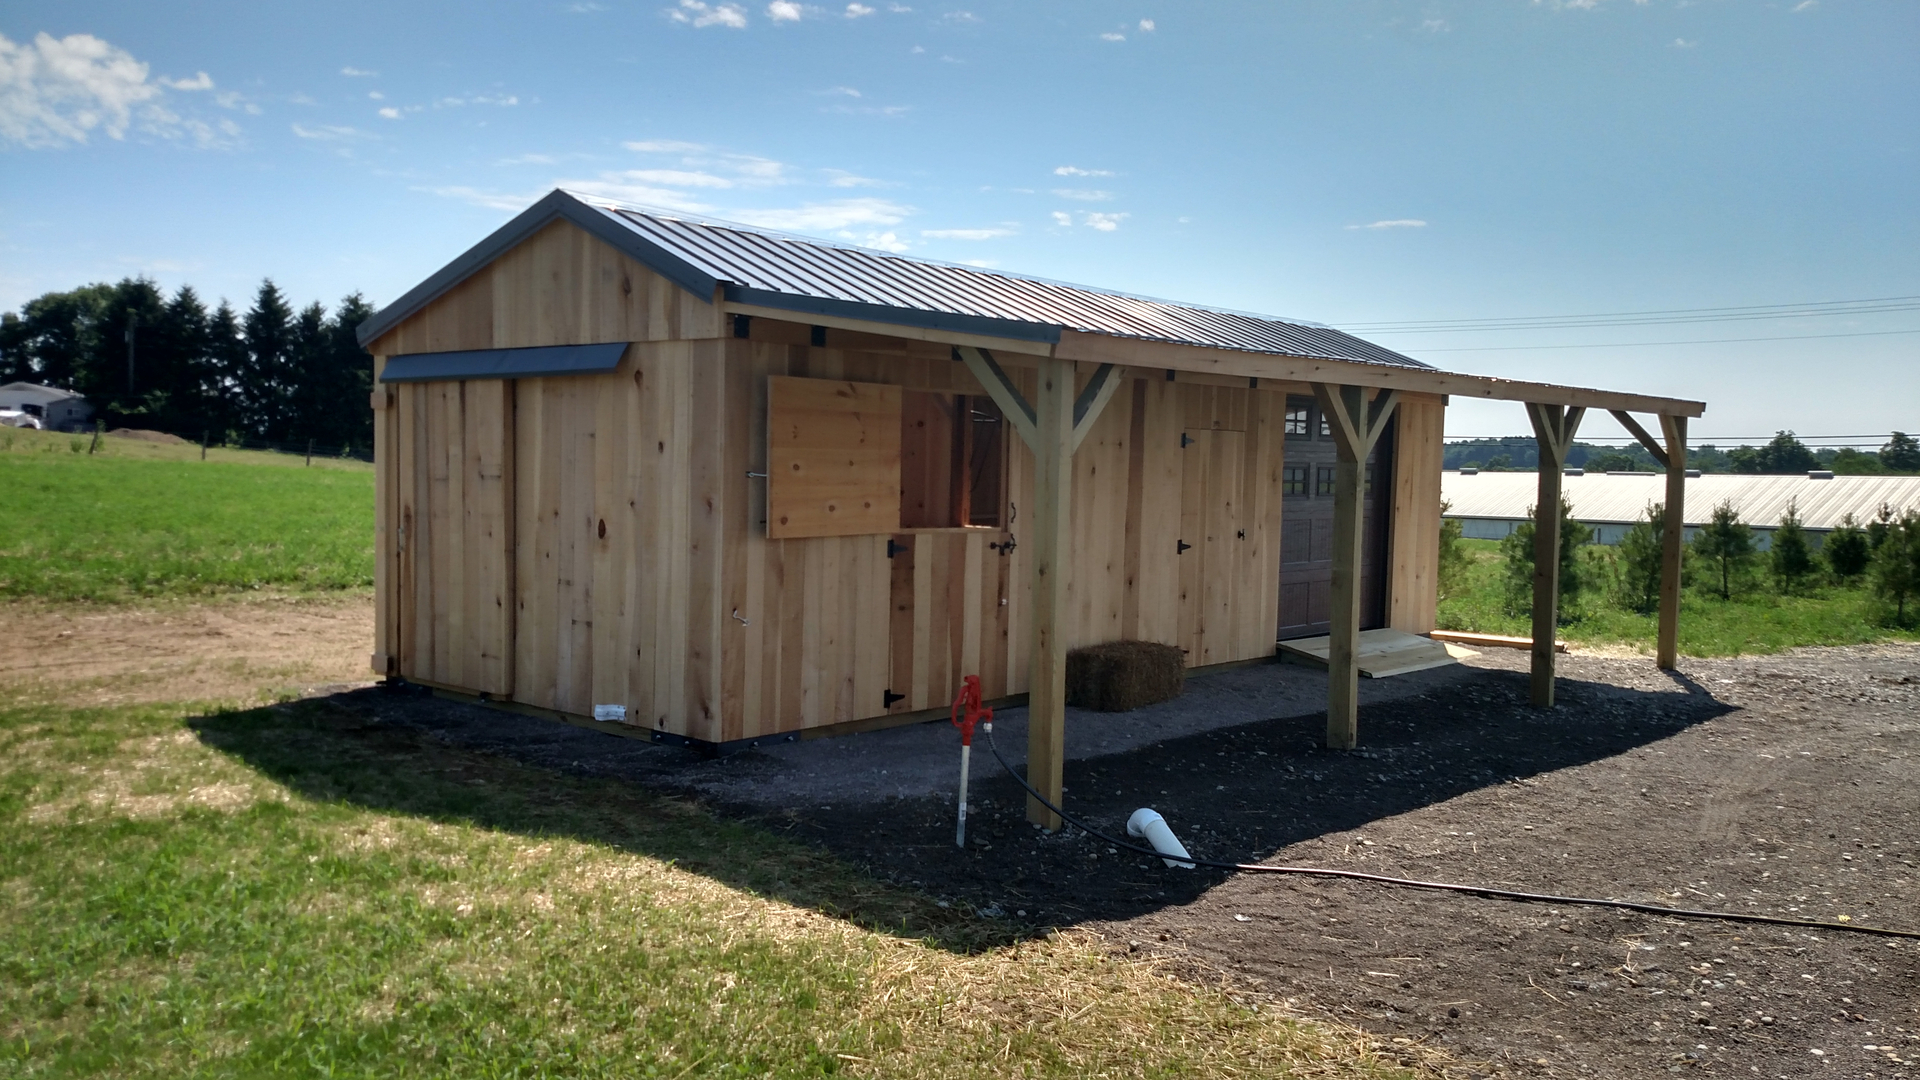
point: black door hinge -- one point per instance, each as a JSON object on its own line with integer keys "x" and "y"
{"x": 1004, "y": 549}
{"x": 888, "y": 697}
{"x": 1180, "y": 547}
{"x": 895, "y": 549}
{"x": 1243, "y": 534}
{"x": 1186, "y": 440}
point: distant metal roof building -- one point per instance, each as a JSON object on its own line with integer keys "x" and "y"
{"x": 1622, "y": 499}
{"x": 811, "y": 276}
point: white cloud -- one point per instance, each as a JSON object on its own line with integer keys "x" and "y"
{"x": 1396, "y": 223}
{"x": 1083, "y": 194}
{"x": 700, "y": 14}
{"x": 390, "y": 113}
{"x": 329, "y": 132}
{"x": 587, "y": 8}
{"x": 1062, "y": 219}
{"x": 376, "y": 95}
{"x": 1436, "y": 26}
{"x": 1806, "y": 5}
{"x": 899, "y": 9}
{"x": 1113, "y": 37}
{"x": 785, "y": 11}
{"x": 356, "y": 73}
{"x": 1106, "y": 222}
{"x": 490, "y": 200}
{"x": 858, "y": 11}
{"x": 1682, "y": 43}
{"x": 960, "y": 18}
{"x": 1074, "y": 170}
{"x": 59, "y": 91}
{"x": 838, "y": 215}
{"x": 663, "y": 146}
{"x": 677, "y": 178}
{"x": 529, "y": 159}
{"x": 842, "y": 91}
{"x": 1146, "y": 26}
{"x": 843, "y": 179}
{"x": 966, "y": 234}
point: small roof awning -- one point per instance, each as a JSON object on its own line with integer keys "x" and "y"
{"x": 531, "y": 363}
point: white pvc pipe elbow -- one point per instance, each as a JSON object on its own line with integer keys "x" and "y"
{"x": 1153, "y": 828}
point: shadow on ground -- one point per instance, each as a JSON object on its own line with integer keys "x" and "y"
{"x": 1236, "y": 793}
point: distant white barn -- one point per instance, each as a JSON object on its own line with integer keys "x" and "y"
{"x": 50, "y": 407}
{"x": 1490, "y": 505}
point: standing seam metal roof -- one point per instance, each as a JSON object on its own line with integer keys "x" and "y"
{"x": 767, "y": 268}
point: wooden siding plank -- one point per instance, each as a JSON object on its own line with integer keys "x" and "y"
{"x": 1414, "y": 569}
{"x": 833, "y": 465}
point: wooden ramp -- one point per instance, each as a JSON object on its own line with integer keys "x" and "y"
{"x": 1382, "y": 652}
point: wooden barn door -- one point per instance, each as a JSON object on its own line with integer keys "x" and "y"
{"x": 1306, "y": 530}
{"x": 1212, "y": 544}
{"x": 455, "y": 532}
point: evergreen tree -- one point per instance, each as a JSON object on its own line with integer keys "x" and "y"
{"x": 1896, "y": 565}
{"x": 266, "y": 391}
{"x": 349, "y": 378}
{"x": 307, "y": 363}
{"x": 1641, "y": 554}
{"x": 1846, "y": 551}
{"x": 15, "y": 365}
{"x": 1901, "y": 454}
{"x": 1517, "y": 549}
{"x": 1727, "y": 542}
{"x": 1791, "y": 556}
{"x": 1878, "y": 528}
{"x": 227, "y": 364}
{"x": 1453, "y": 555}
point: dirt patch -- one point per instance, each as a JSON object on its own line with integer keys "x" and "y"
{"x": 143, "y": 435}
{"x": 1776, "y": 784}
{"x": 240, "y": 650}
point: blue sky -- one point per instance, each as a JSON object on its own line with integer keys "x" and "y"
{"x": 1354, "y": 163}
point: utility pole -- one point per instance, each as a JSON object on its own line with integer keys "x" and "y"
{"x": 132, "y": 323}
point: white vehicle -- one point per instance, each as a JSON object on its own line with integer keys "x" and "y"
{"x": 10, "y": 417}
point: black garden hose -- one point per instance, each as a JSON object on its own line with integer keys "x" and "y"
{"x": 1442, "y": 886}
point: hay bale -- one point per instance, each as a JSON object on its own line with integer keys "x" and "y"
{"x": 1120, "y": 676}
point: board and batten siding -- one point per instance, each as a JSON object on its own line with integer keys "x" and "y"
{"x": 587, "y": 540}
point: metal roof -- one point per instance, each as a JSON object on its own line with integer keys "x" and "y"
{"x": 820, "y": 277}
{"x": 1616, "y": 498}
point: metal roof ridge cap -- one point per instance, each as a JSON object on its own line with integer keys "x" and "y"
{"x": 929, "y": 318}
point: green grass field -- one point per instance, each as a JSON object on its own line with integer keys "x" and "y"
{"x": 1754, "y": 621}
{"x": 293, "y": 891}
{"x": 140, "y": 521}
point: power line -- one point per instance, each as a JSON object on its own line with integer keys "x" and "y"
{"x": 1640, "y": 344}
{"x": 1637, "y": 318}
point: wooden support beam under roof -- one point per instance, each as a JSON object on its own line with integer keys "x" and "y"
{"x": 1236, "y": 365}
{"x": 1667, "y": 647}
{"x": 1357, "y": 425}
{"x": 1554, "y": 427}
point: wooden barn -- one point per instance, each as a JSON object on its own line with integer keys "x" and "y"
{"x": 718, "y": 486}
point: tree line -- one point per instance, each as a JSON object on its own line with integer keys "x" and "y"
{"x": 1723, "y": 558}
{"x": 167, "y": 363}
{"x": 1783, "y": 454}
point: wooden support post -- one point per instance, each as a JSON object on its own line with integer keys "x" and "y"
{"x": 1667, "y": 652}
{"x": 1052, "y": 539}
{"x": 1053, "y": 427}
{"x": 1356, "y": 427}
{"x": 1553, "y": 428}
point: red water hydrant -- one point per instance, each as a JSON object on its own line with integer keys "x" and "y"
{"x": 969, "y": 700}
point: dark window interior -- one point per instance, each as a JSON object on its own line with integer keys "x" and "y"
{"x": 1299, "y": 418}
{"x": 1323, "y": 482}
{"x": 952, "y": 461}
{"x": 1294, "y": 481}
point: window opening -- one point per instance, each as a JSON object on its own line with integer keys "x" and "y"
{"x": 1294, "y": 480}
{"x": 952, "y": 461}
{"x": 1323, "y": 481}
{"x": 1299, "y": 417}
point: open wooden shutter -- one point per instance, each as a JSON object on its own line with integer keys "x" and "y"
{"x": 833, "y": 458}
